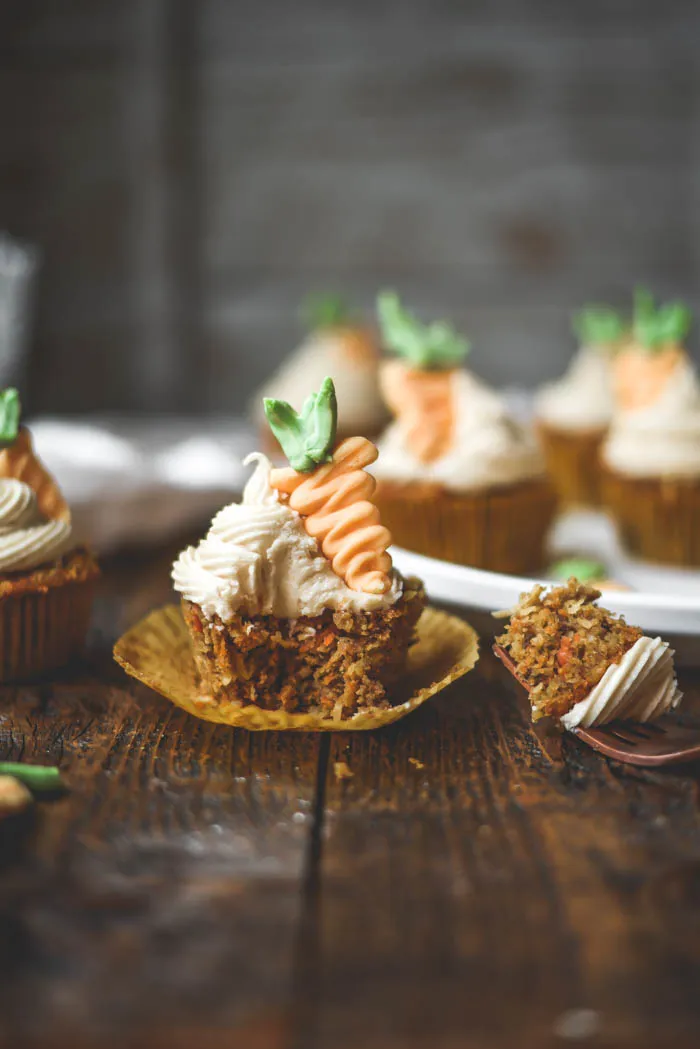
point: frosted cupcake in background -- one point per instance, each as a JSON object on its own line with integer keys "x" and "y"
{"x": 337, "y": 345}
{"x": 458, "y": 478}
{"x": 574, "y": 412}
{"x": 47, "y": 582}
{"x": 651, "y": 457}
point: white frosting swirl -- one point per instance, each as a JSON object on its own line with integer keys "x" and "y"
{"x": 641, "y": 687}
{"x": 257, "y": 559}
{"x": 663, "y": 439}
{"x": 27, "y": 540}
{"x": 489, "y": 447}
{"x": 323, "y": 353}
{"x": 582, "y": 399}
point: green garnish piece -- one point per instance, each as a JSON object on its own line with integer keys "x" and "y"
{"x": 9, "y": 416}
{"x": 325, "y": 310}
{"x": 425, "y": 346}
{"x": 585, "y": 569}
{"x": 36, "y": 777}
{"x": 656, "y": 326}
{"x": 599, "y": 325}
{"x": 307, "y": 437}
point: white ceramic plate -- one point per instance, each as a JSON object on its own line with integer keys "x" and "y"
{"x": 661, "y": 600}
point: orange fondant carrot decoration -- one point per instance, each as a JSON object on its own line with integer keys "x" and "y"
{"x": 330, "y": 313}
{"x": 425, "y": 403}
{"x": 332, "y": 491}
{"x": 19, "y": 461}
{"x": 640, "y": 377}
{"x": 642, "y": 369}
{"x": 419, "y": 388}
{"x": 335, "y": 502}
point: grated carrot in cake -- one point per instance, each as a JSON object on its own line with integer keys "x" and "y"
{"x": 562, "y": 643}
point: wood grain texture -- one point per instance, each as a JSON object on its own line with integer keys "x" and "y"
{"x": 191, "y": 170}
{"x": 454, "y": 880}
{"x": 471, "y": 885}
{"x": 165, "y": 890}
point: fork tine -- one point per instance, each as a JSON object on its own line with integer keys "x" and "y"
{"x": 619, "y": 735}
{"x": 671, "y": 742}
{"x": 636, "y": 730}
{"x": 653, "y": 729}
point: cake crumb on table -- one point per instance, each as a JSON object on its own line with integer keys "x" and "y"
{"x": 342, "y": 770}
{"x": 14, "y": 796}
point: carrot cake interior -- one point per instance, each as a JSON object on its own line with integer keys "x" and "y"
{"x": 583, "y": 665}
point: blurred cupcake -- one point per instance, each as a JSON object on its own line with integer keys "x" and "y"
{"x": 573, "y": 413}
{"x": 46, "y": 582}
{"x": 342, "y": 347}
{"x": 651, "y": 457}
{"x": 458, "y": 478}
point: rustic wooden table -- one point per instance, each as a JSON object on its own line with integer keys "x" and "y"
{"x": 447, "y": 882}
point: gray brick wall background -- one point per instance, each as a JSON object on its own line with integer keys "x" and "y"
{"x": 191, "y": 169}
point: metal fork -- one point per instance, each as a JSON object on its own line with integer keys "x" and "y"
{"x": 662, "y": 742}
{"x": 666, "y": 741}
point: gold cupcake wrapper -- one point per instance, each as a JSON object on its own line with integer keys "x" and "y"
{"x": 43, "y": 630}
{"x": 157, "y": 652}
{"x": 499, "y": 529}
{"x": 573, "y": 463}
{"x": 658, "y": 518}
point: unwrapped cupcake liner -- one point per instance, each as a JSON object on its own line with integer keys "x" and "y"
{"x": 499, "y": 529}
{"x": 573, "y": 463}
{"x": 157, "y": 652}
{"x": 658, "y": 518}
{"x": 42, "y": 630}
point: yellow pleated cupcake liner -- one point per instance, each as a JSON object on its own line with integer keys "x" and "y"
{"x": 573, "y": 463}
{"x": 157, "y": 652}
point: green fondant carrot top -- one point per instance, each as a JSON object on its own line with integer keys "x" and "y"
{"x": 307, "y": 437}
{"x": 656, "y": 326}
{"x": 599, "y": 325}
{"x": 326, "y": 310}
{"x": 584, "y": 569}
{"x": 425, "y": 346}
{"x": 9, "y": 416}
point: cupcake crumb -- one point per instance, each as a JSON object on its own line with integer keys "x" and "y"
{"x": 14, "y": 796}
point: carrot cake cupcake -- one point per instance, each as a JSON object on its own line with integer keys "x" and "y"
{"x": 573, "y": 413}
{"x": 46, "y": 582}
{"x": 291, "y": 600}
{"x": 340, "y": 346}
{"x": 458, "y": 478}
{"x": 583, "y": 666}
{"x": 651, "y": 456}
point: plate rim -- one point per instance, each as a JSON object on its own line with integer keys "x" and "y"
{"x": 619, "y": 601}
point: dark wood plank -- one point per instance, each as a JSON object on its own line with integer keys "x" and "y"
{"x": 445, "y": 882}
{"x": 165, "y": 889}
{"x": 476, "y": 893}
{"x": 163, "y": 894}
